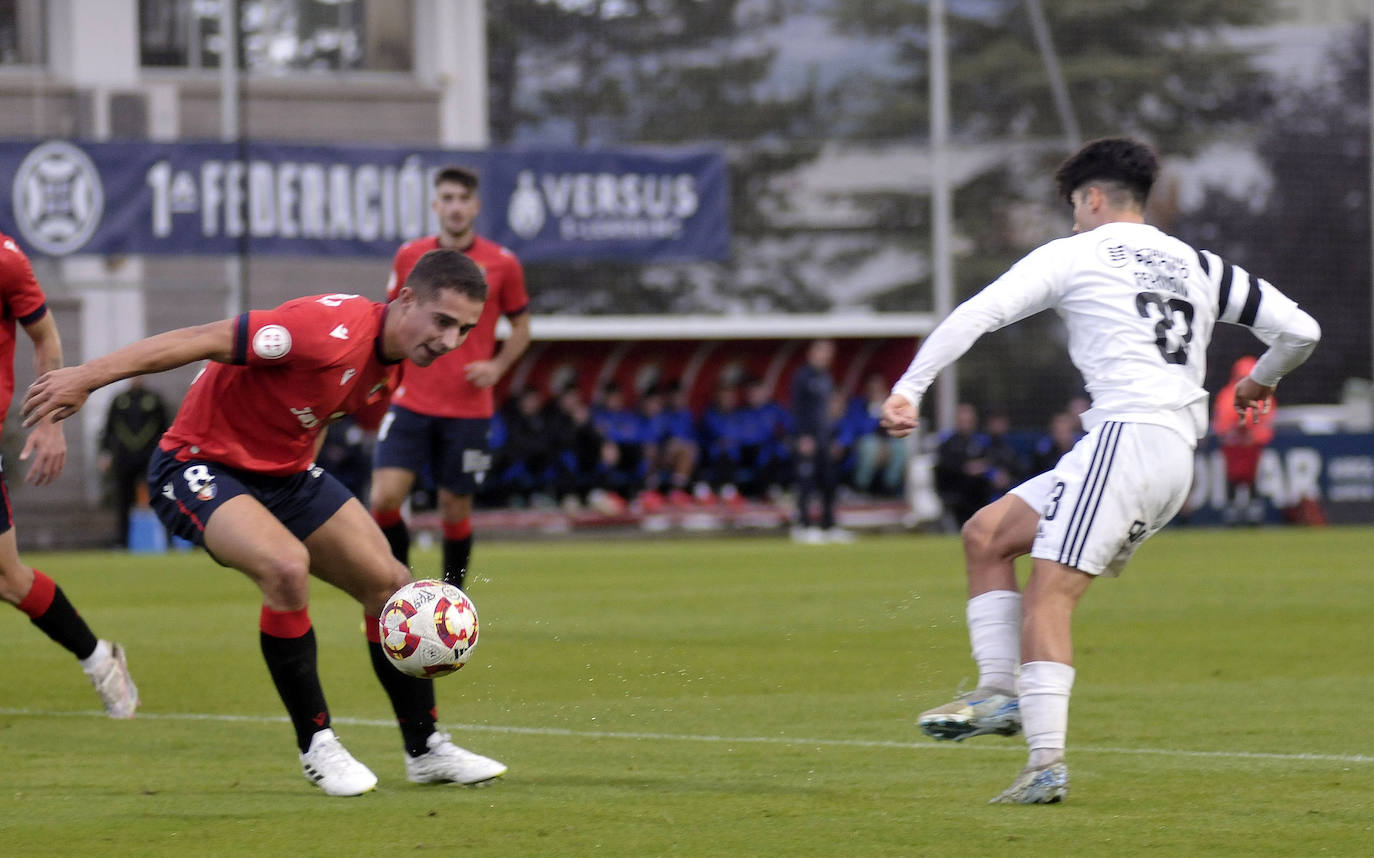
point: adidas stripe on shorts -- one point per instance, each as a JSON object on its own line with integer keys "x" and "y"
{"x": 1119, "y": 484}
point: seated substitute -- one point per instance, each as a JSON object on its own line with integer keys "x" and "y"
{"x": 235, "y": 474}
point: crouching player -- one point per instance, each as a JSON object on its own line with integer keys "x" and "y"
{"x": 235, "y": 474}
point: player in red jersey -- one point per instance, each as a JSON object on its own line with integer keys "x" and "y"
{"x": 22, "y": 301}
{"x": 235, "y": 474}
{"x": 440, "y": 417}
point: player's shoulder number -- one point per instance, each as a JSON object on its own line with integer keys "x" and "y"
{"x": 336, "y": 299}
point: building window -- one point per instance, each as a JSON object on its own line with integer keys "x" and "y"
{"x": 280, "y": 36}
{"x": 21, "y": 33}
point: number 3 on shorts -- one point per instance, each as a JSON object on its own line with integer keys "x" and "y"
{"x": 1052, "y": 505}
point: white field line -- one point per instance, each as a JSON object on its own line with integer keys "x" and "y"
{"x": 721, "y": 740}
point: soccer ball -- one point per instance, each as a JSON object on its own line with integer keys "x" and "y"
{"x": 428, "y": 628}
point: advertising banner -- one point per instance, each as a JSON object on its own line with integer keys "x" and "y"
{"x": 280, "y": 199}
{"x": 1335, "y": 472}
{"x": 611, "y": 205}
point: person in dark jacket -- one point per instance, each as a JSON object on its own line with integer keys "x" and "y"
{"x": 961, "y": 467}
{"x": 136, "y": 420}
{"x": 812, "y": 386}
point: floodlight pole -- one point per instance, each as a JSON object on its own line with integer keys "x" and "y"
{"x": 231, "y": 131}
{"x": 1369, "y": 35}
{"x": 1067, "y": 119}
{"x": 941, "y": 196}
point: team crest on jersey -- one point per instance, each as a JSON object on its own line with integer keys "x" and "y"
{"x": 1113, "y": 254}
{"x": 271, "y": 342}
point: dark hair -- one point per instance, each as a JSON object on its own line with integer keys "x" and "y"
{"x": 1120, "y": 161}
{"x": 453, "y": 173}
{"x": 447, "y": 269}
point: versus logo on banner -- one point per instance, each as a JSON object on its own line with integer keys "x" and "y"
{"x": 610, "y": 203}
{"x": 220, "y": 198}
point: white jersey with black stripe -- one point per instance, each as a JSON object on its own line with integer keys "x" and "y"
{"x": 1139, "y": 306}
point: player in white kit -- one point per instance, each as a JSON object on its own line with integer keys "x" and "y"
{"x": 1139, "y": 306}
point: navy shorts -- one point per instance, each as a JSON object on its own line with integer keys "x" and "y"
{"x": 454, "y": 452}
{"x": 185, "y": 494}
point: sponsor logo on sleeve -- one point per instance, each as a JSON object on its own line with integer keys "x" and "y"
{"x": 271, "y": 342}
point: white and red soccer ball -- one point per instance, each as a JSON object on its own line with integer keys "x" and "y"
{"x": 428, "y": 628}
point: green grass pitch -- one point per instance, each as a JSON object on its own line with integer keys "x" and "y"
{"x": 720, "y": 697}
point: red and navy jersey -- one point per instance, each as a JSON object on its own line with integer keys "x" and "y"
{"x": 295, "y": 368}
{"x": 441, "y": 389}
{"x": 21, "y": 300}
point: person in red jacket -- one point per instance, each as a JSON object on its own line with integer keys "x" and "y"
{"x": 1242, "y": 439}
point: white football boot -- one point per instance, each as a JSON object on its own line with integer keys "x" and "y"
{"x": 445, "y": 762}
{"x": 329, "y": 766}
{"x": 973, "y": 713}
{"x": 114, "y": 684}
{"x": 1047, "y": 784}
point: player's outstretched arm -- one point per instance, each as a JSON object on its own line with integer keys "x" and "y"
{"x": 61, "y": 393}
{"x": 45, "y": 448}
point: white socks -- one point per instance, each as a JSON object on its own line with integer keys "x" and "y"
{"x": 994, "y": 630}
{"x": 1045, "y": 688}
{"x": 98, "y": 657}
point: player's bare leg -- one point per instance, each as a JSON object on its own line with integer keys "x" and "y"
{"x": 456, "y": 513}
{"x": 1047, "y": 673}
{"x": 47, "y": 607}
{"x": 993, "y": 539}
{"x": 243, "y": 534}
{"x": 996, "y": 535}
{"x": 351, "y": 553}
{"x": 390, "y": 488}
{"x": 16, "y": 578}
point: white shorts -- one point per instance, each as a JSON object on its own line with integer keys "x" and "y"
{"x": 1119, "y": 484}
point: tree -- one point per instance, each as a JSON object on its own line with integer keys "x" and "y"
{"x": 1160, "y": 69}
{"x": 1310, "y": 234}
{"x": 757, "y": 77}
